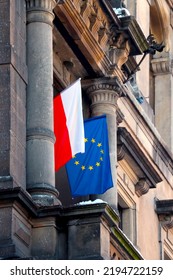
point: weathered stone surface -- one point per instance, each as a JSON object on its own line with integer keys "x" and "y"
{"x": 40, "y": 137}
{"x": 84, "y": 240}
{"x": 12, "y": 92}
{"x": 44, "y": 238}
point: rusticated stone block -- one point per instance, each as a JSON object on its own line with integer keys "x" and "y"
{"x": 44, "y": 238}
{"x": 88, "y": 239}
{"x": 4, "y": 163}
{"x": 4, "y": 11}
{"x": 84, "y": 241}
{"x": 15, "y": 233}
{"x": 5, "y": 224}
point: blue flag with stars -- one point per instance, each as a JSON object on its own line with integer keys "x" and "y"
{"x": 90, "y": 172}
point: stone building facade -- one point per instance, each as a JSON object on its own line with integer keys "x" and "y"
{"x": 123, "y": 53}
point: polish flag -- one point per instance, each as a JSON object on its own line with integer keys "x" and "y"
{"x": 68, "y": 124}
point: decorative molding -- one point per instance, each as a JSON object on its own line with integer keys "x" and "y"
{"x": 130, "y": 26}
{"x": 120, "y": 116}
{"x": 102, "y": 36}
{"x": 83, "y": 6}
{"x": 119, "y": 56}
{"x": 40, "y": 11}
{"x": 162, "y": 65}
{"x": 104, "y": 84}
{"x": 164, "y": 209}
{"x": 166, "y": 221}
{"x": 42, "y": 5}
{"x": 129, "y": 150}
{"x": 40, "y": 133}
{"x": 142, "y": 187}
{"x": 128, "y": 247}
{"x": 103, "y": 93}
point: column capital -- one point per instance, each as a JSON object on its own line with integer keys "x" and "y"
{"x": 163, "y": 65}
{"x": 40, "y": 11}
{"x": 103, "y": 91}
{"x": 103, "y": 84}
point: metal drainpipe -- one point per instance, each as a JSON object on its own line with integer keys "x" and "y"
{"x": 160, "y": 241}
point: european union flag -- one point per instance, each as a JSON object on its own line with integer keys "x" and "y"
{"x": 90, "y": 172}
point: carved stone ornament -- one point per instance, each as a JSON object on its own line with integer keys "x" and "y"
{"x": 120, "y": 116}
{"x": 142, "y": 187}
{"x": 119, "y": 49}
{"x": 164, "y": 209}
{"x": 42, "y": 5}
{"x": 104, "y": 90}
{"x": 166, "y": 221}
{"x": 162, "y": 65}
{"x": 40, "y": 11}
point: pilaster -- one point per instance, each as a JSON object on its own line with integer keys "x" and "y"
{"x": 40, "y": 136}
{"x": 103, "y": 93}
{"x": 163, "y": 86}
{"x": 13, "y": 79}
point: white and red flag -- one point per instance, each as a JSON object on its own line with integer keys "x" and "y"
{"x": 68, "y": 124}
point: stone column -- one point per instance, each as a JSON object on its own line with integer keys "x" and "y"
{"x": 103, "y": 93}
{"x": 40, "y": 136}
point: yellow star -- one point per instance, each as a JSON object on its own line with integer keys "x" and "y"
{"x": 102, "y": 151}
{"x": 99, "y": 144}
{"x": 83, "y": 167}
{"x": 101, "y": 158}
{"x": 90, "y": 168}
{"x": 74, "y": 156}
{"x": 93, "y": 140}
{"x": 97, "y": 164}
{"x": 85, "y": 140}
{"x": 76, "y": 162}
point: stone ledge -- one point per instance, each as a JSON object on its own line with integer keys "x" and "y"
{"x": 133, "y": 154}
{"x": 95, "y": 224}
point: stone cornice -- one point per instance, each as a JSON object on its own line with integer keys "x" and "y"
{"x": 75, "y": 17}
{"x": 105, "y": 213}
{"x": 162, "y": 65}
{"x": 131, "y": 152}
{"x": 125, "y": 244}
{"x": 103, "y": 93}
{"x": 65, "y": 216}
{"x": 135, "y": 34}
{"x": 100, "y": 35}
{"x": 164, "y": 209}
{"x": 19, "y": 195}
